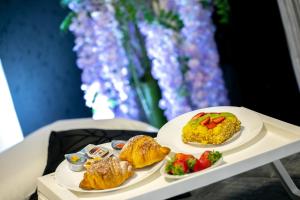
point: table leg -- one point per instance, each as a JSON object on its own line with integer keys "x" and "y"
{"x": 286, "y": 180}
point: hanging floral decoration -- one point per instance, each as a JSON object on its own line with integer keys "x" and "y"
{"x": 204, "y": 77}
{"x": 149, "y": 60}
{"x": 162, "y": 49}
{"x": 101, "y": 56}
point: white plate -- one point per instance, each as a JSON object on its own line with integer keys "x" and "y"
{"x": 170, "y": 134}
{"x": 166, "y": 175}
{"x": 70, "y": 179}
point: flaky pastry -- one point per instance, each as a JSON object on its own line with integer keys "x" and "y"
{"x": 143, "y": 151}
{"x": 105, "y": 174}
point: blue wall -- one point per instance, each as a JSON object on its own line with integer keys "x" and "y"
{"x": 39, "y": 63}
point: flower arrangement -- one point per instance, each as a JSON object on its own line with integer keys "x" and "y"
{"x": 147, "y": 60}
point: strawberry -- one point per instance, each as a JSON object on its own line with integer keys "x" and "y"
{"x": 204, "y": 155}
{"x": 205, "y": 121}
{"x": 169, "y": 166}
{"x": 179, "y": 167}
{"x": 211, "y": 125}
{"x": 218, "y": 119}
{"x": 197, "y": 166}
{"x": 182, "y": 156}
{"x": 208, "y": 158}
{"x": 198, "y": 115}
{"x": 191, "y": 162}
{"x": 204, "y": 163}
{"x": 214, "y": 156}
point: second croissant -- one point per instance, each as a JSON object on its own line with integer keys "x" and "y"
{"x": 142, "y": 151}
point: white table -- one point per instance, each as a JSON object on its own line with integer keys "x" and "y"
{"x": 277, "y": 140}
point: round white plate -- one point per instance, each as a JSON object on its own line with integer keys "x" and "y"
{"x": 70, "y": 179}
{"x": 166, "y": 175}
{"x": 170, "y": 134}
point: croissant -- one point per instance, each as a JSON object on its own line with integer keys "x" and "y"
{"x": 143, "y": 151}
{"x": 106, "y": 173}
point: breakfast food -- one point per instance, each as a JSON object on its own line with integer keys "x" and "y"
{"x": 74, "y": 158}
{"x": 118, "y": 144}
{"x": 75, "y": 161}
{"x": 143, "y": 151}
{"x": 211, "y": 128}
{"x": 181, "y": 164}
{"x": 106, "y": 173}
{"x": 90, "y": 161}
{"x": 94, "y": 151}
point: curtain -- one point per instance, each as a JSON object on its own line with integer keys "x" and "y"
{"x": 290, "y": 15}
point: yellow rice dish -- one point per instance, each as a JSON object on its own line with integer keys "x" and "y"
{"x": 211, "y": 128}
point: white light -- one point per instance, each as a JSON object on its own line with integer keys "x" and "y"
{"x": 101, "y": 108}
{"x": 84, "y": 87}
{"x": 90, "y": 93}
{"x": 10, "y": 130}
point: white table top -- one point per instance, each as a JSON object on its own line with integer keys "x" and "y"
{"x": 277, "y": 140}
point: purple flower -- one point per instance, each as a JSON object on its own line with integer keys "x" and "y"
{"x": 162, "y": 49}
{"x": 204, "y": 78}
{"x": 101, "y": 56}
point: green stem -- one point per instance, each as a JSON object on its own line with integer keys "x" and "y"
{"x": 147, "y": 89}
{"x": 64, "y": 26}
{"x": 145, "y": 59}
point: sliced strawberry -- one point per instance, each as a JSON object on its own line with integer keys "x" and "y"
{"x": 179, "y": 167}
{"x": 198, "y": 115}
{"x": 182, "y": 156}
{"x": 205, "y": 121}
{"x": 218, "y": 119}
{"x": 211, "y": 125}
